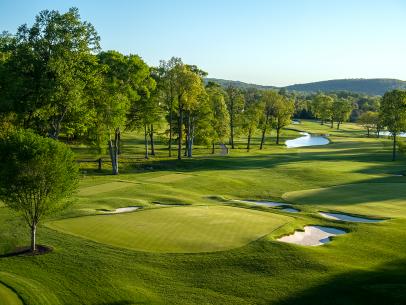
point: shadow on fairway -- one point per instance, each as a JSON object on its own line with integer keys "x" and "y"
{"x": 384, "y": 285}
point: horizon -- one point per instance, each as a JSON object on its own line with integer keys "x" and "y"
{"x": 264, "y": 43}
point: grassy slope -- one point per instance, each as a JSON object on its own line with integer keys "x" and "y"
{"x": 366, "y": 266}
{"x": 8, "y": 297}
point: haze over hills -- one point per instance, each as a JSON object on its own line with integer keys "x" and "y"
{"x": 374, "y": 86}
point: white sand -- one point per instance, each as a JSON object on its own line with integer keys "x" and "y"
{"x": 344, "y": 217}
{"x": 262, "y": 203}
{"x": 312, "y": 236}
{"x": 121, "y": 210}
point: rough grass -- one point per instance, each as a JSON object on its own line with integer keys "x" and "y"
{"x": 352, "y": 174}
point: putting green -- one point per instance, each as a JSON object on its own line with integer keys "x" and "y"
{"x": 8, "y": 297}
{"x": 176, "y": 229}
{"x": 375, "y": 199}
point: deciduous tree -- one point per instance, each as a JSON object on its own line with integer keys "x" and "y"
{"x": 37, "y": 176}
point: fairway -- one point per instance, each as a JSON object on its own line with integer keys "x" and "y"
{"x": 374, "y": 199}
{"x": 8, "y": 297}
{"x": 177, "y": 229}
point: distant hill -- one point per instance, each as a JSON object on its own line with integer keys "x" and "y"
{"x": 237, "y": 84}
{"x": 376, "y": 86}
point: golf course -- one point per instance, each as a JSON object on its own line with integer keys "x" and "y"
{"x": 197, "y": 236}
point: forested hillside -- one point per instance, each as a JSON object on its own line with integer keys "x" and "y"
{"x": 377, "y": 86}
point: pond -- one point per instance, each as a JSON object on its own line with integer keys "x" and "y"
{"x": 312, "y": 236}
{"x": 307, "y": 140}
{"x": 387, "y": 133}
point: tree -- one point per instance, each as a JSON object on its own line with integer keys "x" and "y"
{"x": 235, "y": 106}
{"x": 165, "y": 79}
{"x": 38, "y": 175}
{"x": 322, "y": 107}
{"x": 369, "y": 120}
{"x": 253, "y": 108}
{"x": 188, "y": 86}
{"x": 268, "y": 99}
{"x": 341, "y": 111}
{"x": 283, "y": 110}
{"x": 126, "y": 84}
{"x": 144, "y": 101}
{"x": 50, "y": 72}
{"x": 220, "y": 118}
{"x": 393, "y": 114}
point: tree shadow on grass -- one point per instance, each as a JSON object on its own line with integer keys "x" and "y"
{"x": 386, "y": 285}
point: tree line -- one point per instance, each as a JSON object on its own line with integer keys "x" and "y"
{"x": 56, "y": 81}
{"x": 375, "y": 115}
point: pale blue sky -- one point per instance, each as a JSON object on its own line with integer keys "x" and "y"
{"x": 260, "y": 41}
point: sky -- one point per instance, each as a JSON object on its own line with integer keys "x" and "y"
{"x": 268, "y": 42}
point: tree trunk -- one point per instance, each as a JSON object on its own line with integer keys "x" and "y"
{"x": 368, "y": 132}
{"x": 332, "y": 123}
{"x": 116, "y": 145}
{"x": 232, "y": 131}
{"x": 192, "y": 137}
{"x": 277, "y": 134}
{"x": 100, "y": 164}
{"x": 249, "y": 139}
{"x": 394, "y": 147}
{"x": 212, "y": 148}
{"x": 263, "y": 132}
{"x": 151, "y": 134}
{"x": 170, "y": 129}
{"x": 119, "y": 143}
{"x": 338, "y": 125}
{"x": 187, "y": 146}
{"x": 113, "y": 157}
{"x": 146, "y": 141}
{"x": 180, "y": 123}
{"x": 33, "y": 237}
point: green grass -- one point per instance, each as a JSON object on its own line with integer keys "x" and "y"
{"x": 175, "y": 229}
{"x": 8, "y": 297}
{"x": 374, "y": 199}
{"x": 353, "y": 174}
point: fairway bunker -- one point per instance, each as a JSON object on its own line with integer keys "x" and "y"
{"x": 307, "y": 140}
{"x": 312, "y": 236}
{"x": 290, "y": 210}
{"x": 269, "y": 204}
{"x": 348, "y": 218}
{"x": 119, "y": 210}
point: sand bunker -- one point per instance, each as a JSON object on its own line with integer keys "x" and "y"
{"x": 312, "y": 236}
{"x": 344, "y": 217}
{"x": 120, "y": 210}
{"x": 270, "y": 204}
{"x": 290, "y": 210}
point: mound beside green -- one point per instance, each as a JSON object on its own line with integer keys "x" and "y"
{"x": 176, "y": 229}
{"x": 375, "y": 199}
